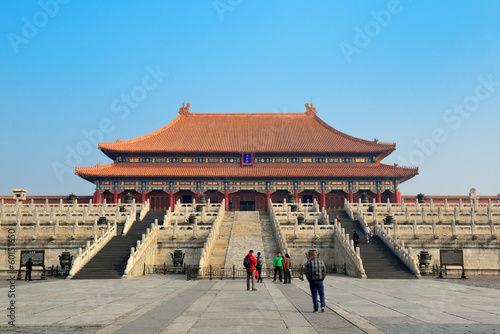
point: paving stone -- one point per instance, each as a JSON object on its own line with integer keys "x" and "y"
{"x": 170, "y": 304}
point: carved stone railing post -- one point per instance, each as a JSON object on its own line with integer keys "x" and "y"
{"x": 56, "y": 227}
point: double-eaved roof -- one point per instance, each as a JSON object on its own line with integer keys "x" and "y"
{"x": 246, "y": 133}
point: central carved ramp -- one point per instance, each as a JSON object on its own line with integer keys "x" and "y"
{"x": 239, "y": 232}
{"x": 245, "y": 235}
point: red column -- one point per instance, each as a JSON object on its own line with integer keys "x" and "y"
{"x": 379, "y": 196}
{"x": 323, "y": 199}
{"x": 143, "y": 196}
{"x": 171, "y": 198}
{"x": 351, "y": 196}
{"x": 296, "y": 194}
{"x": 268, "y": 197}
{"x": 97, "y": 196}
{"x": 226, "y": 197}
{"x": 198, "y": 193}
{"x": 115, "y": 196}
{"x": 398, "y": 196}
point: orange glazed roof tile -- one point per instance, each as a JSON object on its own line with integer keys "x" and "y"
{"x": 231, "y": 170}
{"x": 251, "y": 133}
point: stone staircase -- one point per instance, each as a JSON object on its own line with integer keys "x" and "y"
{"x": 218, "y": 257}
{"x": 378, "y": 260}
{"x": 111, "y": 260}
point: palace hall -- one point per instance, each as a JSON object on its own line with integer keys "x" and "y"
{"x": 246, "y": 158}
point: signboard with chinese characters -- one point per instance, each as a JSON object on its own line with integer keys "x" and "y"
{"x": 246, "y": 159}
{"x": 453, "y": 257}
{"x": 37, "y": 257}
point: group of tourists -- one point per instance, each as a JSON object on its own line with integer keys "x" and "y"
{"x": 282, "y": 268}
{"x": 283, "y": 263}
{"x": 315, "y": 271}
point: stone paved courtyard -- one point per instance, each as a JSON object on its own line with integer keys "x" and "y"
{"x": 170, "y": 304}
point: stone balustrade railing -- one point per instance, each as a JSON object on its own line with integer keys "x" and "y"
{"x": 131, "y": 218}
{"x": 301, "y": 207}
{"x": 438, "y": 214}
{"x": 282, "y": 245}
{"x": 52, "y": 216}
{"x": 75, "y": 229}
{"x": 453, "y": 229}
{"x": 428, "y": 206}
{"x": 184, "y": 231}
{"x": 144, "y": 208}
{"x": 438, "y": 223}
{"x": 445, "y": 218}
{"x": 212, "y": 236}
{"x": 316, "y": 230}
{"x": 61, "y": 206}
{"x": 348, "y": 207}
{"x": 350, "y": 254}
{"x": 91, "y": 249}
{"x": 191, "y": 207}
{"x": 291, "y": 217}
{"x": 70, "y": 213}
{"x": 202, "y": 217}
{"x": 397, "y": 248}
{"x": 145, "y": 251}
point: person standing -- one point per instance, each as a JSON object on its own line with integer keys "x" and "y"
{"x": 29, "y": 269}
{"x": 278, "y": 264}
{"x": 315, "y": 271}
{"x": 260, "y": 261}
{"x": 287, "y": 266}
{"x": 355, "y": 238}
{"x": 251, "y": 270}
{"x": 368, "y": 233}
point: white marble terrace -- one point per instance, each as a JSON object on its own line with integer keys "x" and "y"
{"x": 452, "y": 219}
{"x": 63, "y": 218}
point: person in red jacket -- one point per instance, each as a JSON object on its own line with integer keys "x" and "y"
{"x": 251, "y": 271}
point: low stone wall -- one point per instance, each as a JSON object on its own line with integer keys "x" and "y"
{"x": 481, "y": 256}
{"x": 298, "y": 249}
{"x": 166, "y": 246}
{"x": 52, "y": 248}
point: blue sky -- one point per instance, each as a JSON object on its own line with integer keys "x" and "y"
{"x": 423, "y": 74}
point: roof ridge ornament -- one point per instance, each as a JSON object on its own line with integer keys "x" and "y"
{"x": 184, "y": 110}
{"x": 311, "y": 110}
